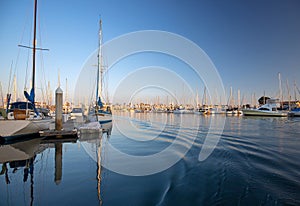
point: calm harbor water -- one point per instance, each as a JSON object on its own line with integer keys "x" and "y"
{"x": 255, "y": 162}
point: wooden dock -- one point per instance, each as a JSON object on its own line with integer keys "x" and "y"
{"x": 69, "y": 129}
{"x": 50, "y": 133}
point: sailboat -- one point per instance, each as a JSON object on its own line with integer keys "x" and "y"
{"x": 101, "y": 112}
{"x": 23, "y": 118}
{"x": 295, "y": 112}
{"x": 205, "y": 108}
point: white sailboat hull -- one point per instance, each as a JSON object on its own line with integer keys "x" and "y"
{"x": 102, "y": 118}
{"x": 9, "y": 128}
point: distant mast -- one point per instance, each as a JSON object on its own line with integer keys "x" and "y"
{"x": 280, "y": 90}
{"x": 204, "y": 100}
{"x": 66, "y": 98}
{"x": 239, "y": 99}
{"x": 49, "y": 94}
{"x": 15, "y": 89}
{"x": 295, "y": 87}
{"x": 2, "y": 99}
{"x": 295, "y": 94}
{"x": 231, "y": 98}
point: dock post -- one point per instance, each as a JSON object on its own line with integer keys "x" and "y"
{"x": 58, "y": 108}
{"x": 58, "y": 163}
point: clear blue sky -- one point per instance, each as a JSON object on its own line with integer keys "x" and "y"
{"x": 248, "y": 41}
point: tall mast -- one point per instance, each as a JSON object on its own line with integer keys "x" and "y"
{"x": 100, "y": 67}
{"x": 101, "y": 63}
{"x": 34, "y": 48}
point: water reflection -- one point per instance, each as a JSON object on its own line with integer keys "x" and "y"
{"x": 58, "y": 163}
{"x": 254, "y": 163}
{"x": 92, "y": 142}
{"x": 25, "y": 166}
{"x": 20, "y": 155}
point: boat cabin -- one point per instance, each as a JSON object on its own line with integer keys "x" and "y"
{"x": 271, "y": 105}
{"x": 268, "y": 109}
{"x": 20, "y": 110}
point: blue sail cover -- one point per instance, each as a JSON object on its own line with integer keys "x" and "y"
{"x": 99, "y": 102}
{"x": 8, "y": 101}
{"x": 30, "y": 98}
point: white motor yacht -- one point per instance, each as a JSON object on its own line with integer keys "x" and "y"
{"x": 268, "y": 109}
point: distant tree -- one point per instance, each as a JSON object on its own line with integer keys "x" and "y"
{"x": 263, "y": 100}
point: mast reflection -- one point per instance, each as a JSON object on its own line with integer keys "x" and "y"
{"x": 22, "y": 154}
{"x": 24, "y": 161}
{"x": 93, "y": 142}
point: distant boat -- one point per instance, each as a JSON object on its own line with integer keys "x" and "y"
{"x": 23, "y": 118}
{"x": 182, "y": 110}
{"x": 233, "y": 111}
{"x": 296, "y": 111}
{"x": 138, "y": 111}
{"x": 204, "y": 110}
{"x": 269, "y": 109}
{"x": 159, "y": 110}
{"x": 237, "y": 112}
{"x": 218, "y": 110}
{"x": 101, "y": 112}
{"x": 77, "y": 113}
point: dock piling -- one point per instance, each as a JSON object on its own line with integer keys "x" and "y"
{"x": 58, "y": 108}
